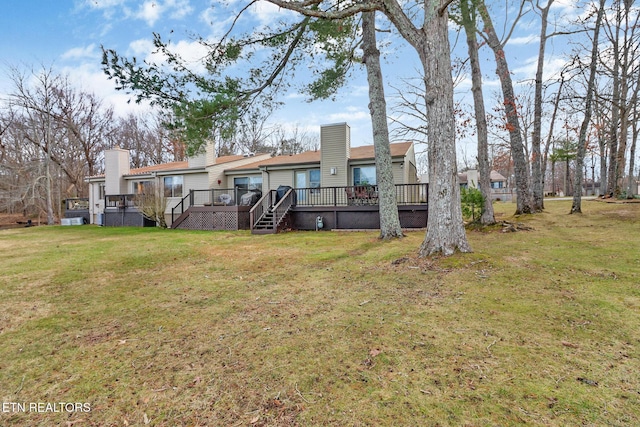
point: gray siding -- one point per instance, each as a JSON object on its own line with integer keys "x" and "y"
{"x": 335, "y": 144}
{"x": 278, "y": 178}
{"x": 116, "y": 165}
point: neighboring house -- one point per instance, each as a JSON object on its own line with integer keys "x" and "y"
{"x": 111, "y": 195}
{"x": 469, "y": 179}
{"x": 499, "y": 190}
{"x": 335, "y": 185}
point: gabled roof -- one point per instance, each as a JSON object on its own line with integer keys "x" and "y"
{"x": 159, "y": 168}
{"x": 357, "y": 153}
{"x": 226, "y": 159}
{"x": 174, "y": 166}
{"x": 494, "y": 176}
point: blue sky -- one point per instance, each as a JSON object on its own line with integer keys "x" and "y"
{"x": 67, "y": 35}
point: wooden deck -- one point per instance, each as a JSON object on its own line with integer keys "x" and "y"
{"x": 353, "y": 207}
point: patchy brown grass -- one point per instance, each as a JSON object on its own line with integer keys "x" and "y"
{"x": 175, "y": 328}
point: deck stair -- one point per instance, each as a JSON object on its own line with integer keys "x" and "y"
{"x": 270, "y": 212}
{"x": 266, "y": 222}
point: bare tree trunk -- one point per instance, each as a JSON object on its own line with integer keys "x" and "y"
{"x": 389, "y": 220}
{"x": 550, "y": 139}
{"x": 51, "y": 219}
{"x": 484, "y": 168}
{"x": 537, "y": 187}
{"x": 632, "y": 152}
{"x": 553, "y": 177}
{"x": 582, "y": 140}
{"x": 523, "y": 205}
{"x": 602, "y": 145}
{"x": 612, "y": 184}
{"x": 445, "y": 231}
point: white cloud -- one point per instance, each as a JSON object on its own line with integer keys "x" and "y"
{"x": 190, "y": 51}
{"x": 218, "y": 23}
{"x": 352, "y": 114}
{"x": 523, "y": 40}
{"x": 566, "y": 10}
{"x": 109, "y": 8}
{"x": 179, "y": 8}
{"x": 149, "y": 12}
{"x": 90, "y": 78}
{"x": 268, "y": 13}
{"x": 141, "y": 48}
{"x": 81, "y": 52}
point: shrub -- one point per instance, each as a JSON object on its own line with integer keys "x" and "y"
{"x": 472, "y": 203}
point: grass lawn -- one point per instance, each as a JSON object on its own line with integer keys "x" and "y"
{"x": 183, "y": 328}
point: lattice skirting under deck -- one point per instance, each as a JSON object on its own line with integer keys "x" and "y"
{"x": 210, "y": 221}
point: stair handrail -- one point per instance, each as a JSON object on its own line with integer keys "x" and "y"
{"x": 261, "y": 206}
{"x": 282, "y": 207}
{"x": 181, "y": 204}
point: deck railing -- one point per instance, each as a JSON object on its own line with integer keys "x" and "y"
{"x": 282, "y": 207}
{"x": 406, "y": 194}
{"x": 262, "y": 206}
{"x": 270, "y": 200}
{"x": 120, "y": 201}
{"x": 210, "y": 197}
{"x": 353, "y": 195}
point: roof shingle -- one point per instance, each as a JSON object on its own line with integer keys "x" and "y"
{"x": 357, "y": 153}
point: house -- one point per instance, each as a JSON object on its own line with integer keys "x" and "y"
{"x": 335, "y": 185}
{"x": 469, "y": 179}
{"x": 112, "y": 195}
{"x": 499, "y": 190}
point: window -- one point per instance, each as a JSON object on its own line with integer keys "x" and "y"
{"x": 497, "y": 184}
{"x": 365, "y": 175}
{"x": 101, "y": 191}
{"x": 253, "y": 182}
{"x": 173, "y": 186}
{"x": 314, "y": 179}
{"x": 141, "y": 187}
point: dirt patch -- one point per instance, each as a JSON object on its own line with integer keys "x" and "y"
{"x": 614, "y": 200}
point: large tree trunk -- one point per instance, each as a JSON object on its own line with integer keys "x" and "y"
{"x": 445, "y": 231}
{"x": 484, "y": 168}
{"x": 389, "y": 220}
{"x": 523, "y": 205}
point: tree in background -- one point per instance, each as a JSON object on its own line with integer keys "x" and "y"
{"x": 564, "y": 152}
{"x": 512, "y": 119}
{"x": 584, "y": 127}
{"x": 147, "y": 139}
{"x": 36, "y": 107}
{"x": 619, "y": 62}
{"x": 389, "y": 219}
{"x": 468, "y": 21}
{"x": 53, "y": 135}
